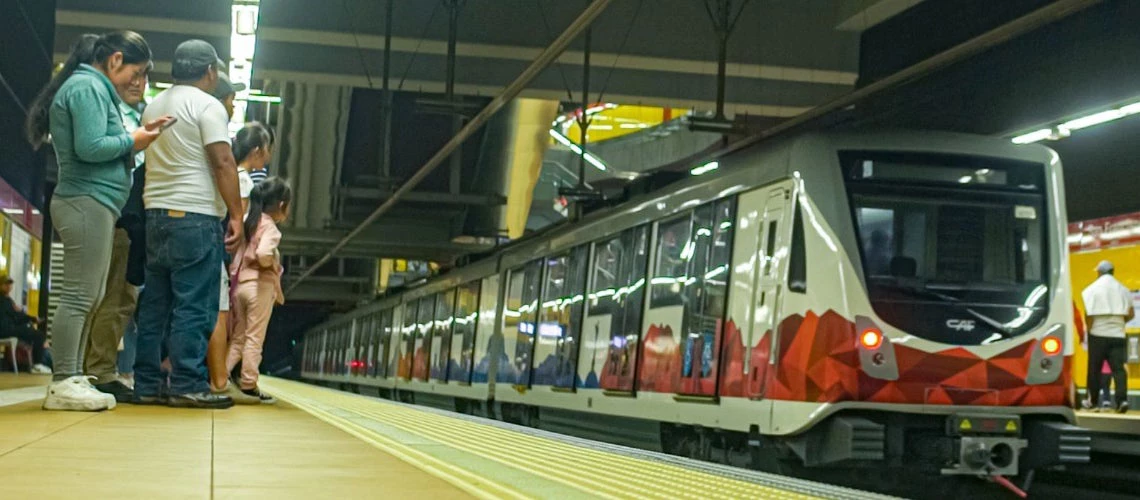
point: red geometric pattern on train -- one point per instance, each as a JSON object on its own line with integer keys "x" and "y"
{"x": 819, "y": 362}
{"x": 734, "y": 382}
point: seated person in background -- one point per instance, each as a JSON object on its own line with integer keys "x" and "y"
{"x": 17, "y": 323}
{"x": 879, "y": 254}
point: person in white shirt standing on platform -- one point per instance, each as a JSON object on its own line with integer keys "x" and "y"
{"x": 1108, "y": 306}
{"x": 191, "y": 185}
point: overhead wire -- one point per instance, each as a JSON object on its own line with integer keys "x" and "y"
{"x": 36, "y": 36}
{"x": 419, "y": 43}
{"x": 549, "y": 37}
{"x": 621, "y": 50}
{"x": 356, "y": 40}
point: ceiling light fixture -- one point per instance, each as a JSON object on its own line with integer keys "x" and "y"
{"x": 591, "y": 159}
{"x": 1065, "y": 129}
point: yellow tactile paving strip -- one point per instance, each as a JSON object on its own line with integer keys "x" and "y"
{"x": 145, "y": 452}
{"x": 582, "y": 471}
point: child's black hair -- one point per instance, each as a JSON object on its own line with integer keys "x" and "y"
{"x": 270, "y": 193}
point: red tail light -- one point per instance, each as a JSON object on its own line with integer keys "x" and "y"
{"x": 1051, "y": 345}
{"x": 871, "y": 339}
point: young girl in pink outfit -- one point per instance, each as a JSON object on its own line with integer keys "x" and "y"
{"x": 256, "y": 281}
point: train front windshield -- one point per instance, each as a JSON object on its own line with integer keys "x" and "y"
{"x": 953, "y": 247}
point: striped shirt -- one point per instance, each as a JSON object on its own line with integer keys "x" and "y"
{"x": 259, "y": 176}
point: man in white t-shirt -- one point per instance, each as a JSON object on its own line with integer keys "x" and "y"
{"x": 1108, "y": 306}
{"x": 191, "y": 186}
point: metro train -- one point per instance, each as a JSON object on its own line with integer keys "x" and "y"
{"x": 896, "y": 300}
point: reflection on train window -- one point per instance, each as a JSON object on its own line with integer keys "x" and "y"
{"x": 675, "y": 247}
{"x": 770, "y": 248}
{"x": 877, "y": 226}
{"x": 463, "y": 333}
{"x": 421, "y": 348}
{"x": 797, "y": 261}
{"x": 388, "y": 343}
{"x": 933, "y": 240}
{"x": 408, "y": 335}
{"x": 560, "y": 318}
{"x": 528, "y": 310}
{"x": 441, "y": 334}
{"x": 690, "y": 274}
{"x": 615, "y": 305}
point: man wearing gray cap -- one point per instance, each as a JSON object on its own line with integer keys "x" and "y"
{"x": 191, "y": 184}
{"x": 1108, "y": 306}
{"x": 226, "y": 91}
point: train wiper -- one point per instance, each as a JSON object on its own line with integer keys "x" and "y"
{"x": 1005, "y": 331}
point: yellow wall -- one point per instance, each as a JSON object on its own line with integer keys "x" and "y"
{"x": 1083, "y": 268}
{"x": 33, "y": 289}
{"x": 621, "y": 120}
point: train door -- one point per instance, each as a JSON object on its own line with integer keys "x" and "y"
{"x": 771, "y": 253}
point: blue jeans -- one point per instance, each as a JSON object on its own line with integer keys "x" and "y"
{"x": 184, "y": 252}
{"x": 127, "y": 355}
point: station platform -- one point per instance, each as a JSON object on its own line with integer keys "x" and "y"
{"x": 321, "y": 443}
{"x": 1117, "y": 433}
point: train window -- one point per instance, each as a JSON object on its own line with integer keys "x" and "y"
{"x": 384, "y": 347}
{"x": 615, "y": 301}
{"x": 770, "y": 248}
{"x": 421, "y": 351}
{"x": 797, "y": 261}
{"x": 688, "y": 302}
{"x": 528, "y": 310}
{"x": 929, "y": 245}
{"x": 378, "y": 344}
{"x": 463, "y": 334}
{"x": 675, "y": 249}
{"x": 408, "y": 338}
{"x": 441, "y": 334}
{"x": 560, "y": 319}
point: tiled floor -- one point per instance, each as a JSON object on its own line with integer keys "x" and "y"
{"x": 155, "y": 452}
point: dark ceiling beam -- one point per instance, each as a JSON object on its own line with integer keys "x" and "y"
{"x": 396, "y": 245}
{"x": 375, "y": 194}
{"x": 547, "y": 57}
{"x": 1028, "y": 23}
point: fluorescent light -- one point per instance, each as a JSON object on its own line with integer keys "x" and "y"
{"x": 565, "y": 141}
{"x": 163, "y": 85}
{"x": 591, "y": 159}
{"x": 1093, "y": 119}
{"x": 1063, "y": 130}
{"x": 965, "y": 179}
{"x": 1036, "y": 135}
{"x": 261, "y": 98}
{"x": 706, "y": 168}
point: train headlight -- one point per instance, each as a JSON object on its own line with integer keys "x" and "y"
{"x": 1051, "y": 346}
{"x": 876, "y": 354}
{"x": 871, "y": 339}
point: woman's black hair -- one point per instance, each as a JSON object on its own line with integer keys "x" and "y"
{"x": 37, "y": 124}
{"x": 87, "y": 50}
{"x": 270, "y": 193}
{"x": 252, "y": 136}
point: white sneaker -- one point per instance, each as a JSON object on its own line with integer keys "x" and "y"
{"x": 109, "y": 397}
{"x": 39, "y": 369}
{"x": 76, "y": 394}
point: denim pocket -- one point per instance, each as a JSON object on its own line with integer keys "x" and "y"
{"x": 192, "y": 241}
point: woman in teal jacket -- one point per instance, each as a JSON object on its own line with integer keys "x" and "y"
{"x": 80, "y": 109}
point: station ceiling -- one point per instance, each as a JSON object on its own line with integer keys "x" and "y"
{"x": 784, "y": 56}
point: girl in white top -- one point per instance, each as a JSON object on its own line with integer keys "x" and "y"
{"x": 252, "y": 151}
